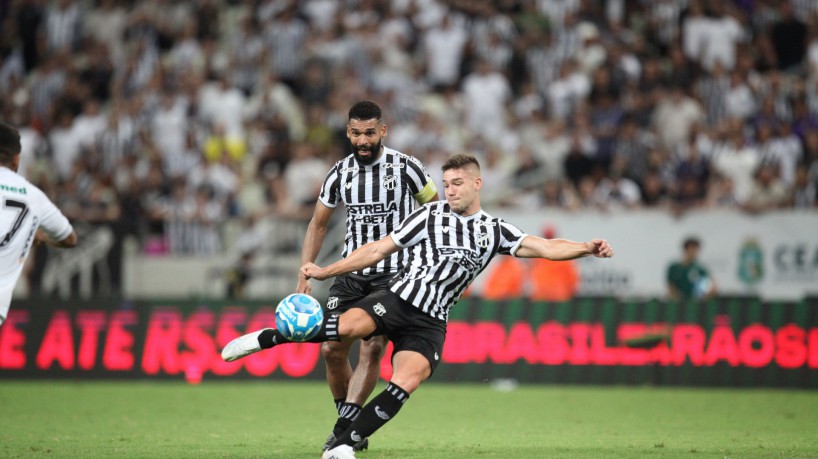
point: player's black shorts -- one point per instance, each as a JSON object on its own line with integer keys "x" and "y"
{"x": 350, "y": 288}
{"x": 409, "y": 328}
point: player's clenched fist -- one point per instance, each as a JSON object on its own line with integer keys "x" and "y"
{"x": 600, "y": 248}
{"x": 312, "y": 271}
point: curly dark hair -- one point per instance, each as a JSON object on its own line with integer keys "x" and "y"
{"x": 365, "y": 110}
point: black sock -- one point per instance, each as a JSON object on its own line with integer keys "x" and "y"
{"x": 329, "y": 332}
{"x": 348, "y": 413}
{"x": 339, "y": 403}
{"x": 375, "y": 414}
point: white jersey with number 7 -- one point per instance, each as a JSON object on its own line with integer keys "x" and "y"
{"x": 23, "y": 209}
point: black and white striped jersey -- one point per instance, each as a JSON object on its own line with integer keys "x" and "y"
{"x": 377, "y": 198}
{"x": 446, "y": 252}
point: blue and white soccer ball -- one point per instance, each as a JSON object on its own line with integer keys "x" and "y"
{"x": 299, "y": 317}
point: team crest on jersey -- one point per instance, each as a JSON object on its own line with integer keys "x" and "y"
{"x": 332, "y": 302}
{"x": 390, "y": 182}
{"x": 379, "y": 309}
{"x": 483, "y": 240}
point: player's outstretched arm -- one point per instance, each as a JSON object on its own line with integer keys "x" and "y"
{"x": 562, "y": 249}
{"x": 313, "y": 239}
{"x": 364, "y": 256}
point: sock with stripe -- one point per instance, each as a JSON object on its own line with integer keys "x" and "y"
{"x": 348, "y": 413}
{"x": 339, "y": 403}
{"x": 374, "y": 415}
{"x": 329, "y": 332}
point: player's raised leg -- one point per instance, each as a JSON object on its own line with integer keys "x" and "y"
{"x": 355, "y": 324}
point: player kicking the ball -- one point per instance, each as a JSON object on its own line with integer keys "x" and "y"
{"x": 449, "y": 244}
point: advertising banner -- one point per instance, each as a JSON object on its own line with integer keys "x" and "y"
{"x": 772, "y": 255}
{"x": 724, "y": 342}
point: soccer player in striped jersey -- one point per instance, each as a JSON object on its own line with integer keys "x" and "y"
{"x": 27, "y": 217}
{"x": 449, "y": 243}
{"x": 379, "y": 187}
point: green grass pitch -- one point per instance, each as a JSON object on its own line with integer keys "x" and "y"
{"x": 291, "y": 419}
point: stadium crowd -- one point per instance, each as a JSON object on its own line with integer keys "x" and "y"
{"x": 166, "y": 118}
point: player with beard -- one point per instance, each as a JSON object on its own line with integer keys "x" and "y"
{"x": 379, "y": 188}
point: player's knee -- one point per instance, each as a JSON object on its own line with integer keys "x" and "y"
{"x": 355, "y": 323}
{"x": 372, "y": 350}
{"x": 334, "y": 352}
{"x": 409, "y": 383}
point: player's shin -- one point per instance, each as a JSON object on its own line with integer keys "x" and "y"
{"x": 375, "y": 414}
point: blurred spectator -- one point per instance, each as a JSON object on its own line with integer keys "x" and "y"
{"x": 302, "y": 181}
{"x": 721, "y": 36}
{"x": 578, "y": 162}
{"x": 737, "y": 159}
{"x": 105, "y": 23}
{"x": 675, "y": 114}
{"x": 567, "y": 92}
{"x": 632, "y": 148}
{"x": 616, "y": 192}
{"x": 63, "y": 25}
{"x": 804, "y": 190}
{"x": 285, "y": 35}
{"x": 443, "y": 47}
{"x": 556, "y": 194}
{"x": 550, "y": 144}
{"x": 653, "y": 191}
{"x": 785, "y": 152}
{"x": 721, "y": 193}
{"x": 767, "y": 192}
{"x": 789, "y": 37}
{"x": 692, "y": 175}
{"x": 606, "y": 116}
{"x": 739, "y": 101}
{"x": 486, "y": 95}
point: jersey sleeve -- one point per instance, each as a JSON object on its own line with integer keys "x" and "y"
{"x": 510, "y": 238}
{"x": 331, "y": 188}
{"x": 413, "y": 229}
{"x": 420, "y": 182}
{"x": 53, "y": 222}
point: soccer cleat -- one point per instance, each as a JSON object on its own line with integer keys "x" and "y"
{"x": 242, "y": 346}
{"x": 330, "y": 440}
{"x": 359, "y": 446}
{"x": 339, "y": 452}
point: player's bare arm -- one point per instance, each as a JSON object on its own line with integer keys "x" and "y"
{"x": 563, "y": 249}
{"x": 41, "y": 237}
{"x": 313, "y": 239}
{"x": 366, "y": 255}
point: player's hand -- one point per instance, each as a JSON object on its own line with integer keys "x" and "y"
{"x": 313, "y": 271}
{"x": 40, "y": 238}
{"x": 600, "y": 248}
{"x": 304, "y": 285}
